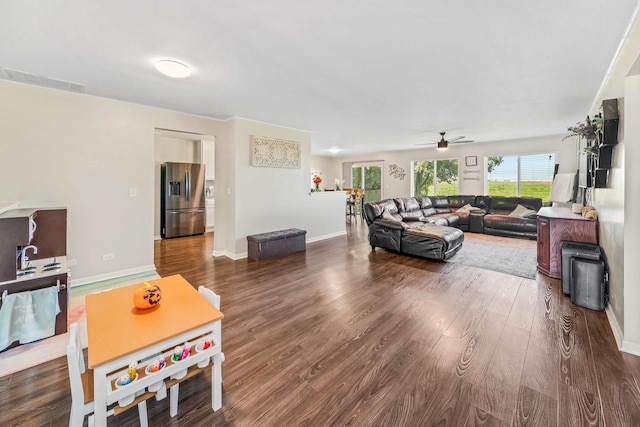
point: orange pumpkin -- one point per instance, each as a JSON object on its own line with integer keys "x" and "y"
{"x": 147, "y": 296}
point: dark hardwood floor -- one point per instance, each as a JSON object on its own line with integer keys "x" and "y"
{"x": 338, "y": 335}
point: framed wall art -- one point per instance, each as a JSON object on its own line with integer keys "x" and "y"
{"x": 471, "y": 161}
{"x": 274, "y": 153}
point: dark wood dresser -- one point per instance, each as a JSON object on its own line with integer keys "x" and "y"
{"x": 556, "y": 225}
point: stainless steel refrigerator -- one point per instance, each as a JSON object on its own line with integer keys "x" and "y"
{"x": 183, "y": 210}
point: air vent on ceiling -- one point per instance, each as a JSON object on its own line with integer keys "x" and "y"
{"x": 33, "y": 79}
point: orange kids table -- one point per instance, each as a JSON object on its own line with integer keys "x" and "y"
{"x": 119, "y": 334}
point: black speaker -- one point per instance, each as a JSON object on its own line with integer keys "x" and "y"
{"x": 605, "y": 152}
{"x": 601, "y": 178}
{"x": 610, "y": 109}
{"x": 610, "y": 132}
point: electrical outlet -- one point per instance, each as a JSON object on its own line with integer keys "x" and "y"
{"x": 108, "y": 257}
{"x": 71, "y": 262}
{"x": 133, "y": 192}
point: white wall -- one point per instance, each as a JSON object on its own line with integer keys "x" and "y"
{"x": 328, "y": 168}
{"x": 268, "y": 199}
{"x": 66, "y": 149}
{"x": 474, "y": 184}
{"x": 630, "y": 323}
{"x": 610, "y": 204}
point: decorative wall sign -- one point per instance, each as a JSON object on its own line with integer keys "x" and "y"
{"x": 469, "y": 178}
{"x": 471, "y": 161}
{"x": 397, "y": 172}
{"x": 274, "y": 153}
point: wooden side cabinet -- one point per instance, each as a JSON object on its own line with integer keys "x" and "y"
{"x": 543, "y": 245}
{"x": 556, "y": 225}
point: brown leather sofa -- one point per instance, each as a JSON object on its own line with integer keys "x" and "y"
{"x": 432, "y": 226}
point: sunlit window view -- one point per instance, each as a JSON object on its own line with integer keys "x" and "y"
{"x": 523, "y": 176}
{"x": 444, "y": 182}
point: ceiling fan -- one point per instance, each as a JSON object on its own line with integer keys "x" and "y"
{"x": 443, "y": 144}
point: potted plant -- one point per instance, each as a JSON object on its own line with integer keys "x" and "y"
{"x": 591, "y": 130}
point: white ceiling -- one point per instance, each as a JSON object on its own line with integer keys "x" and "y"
{"x": 364, "y": 76}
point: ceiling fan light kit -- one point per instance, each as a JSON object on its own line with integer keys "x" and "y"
{"x": 443, "y": 144}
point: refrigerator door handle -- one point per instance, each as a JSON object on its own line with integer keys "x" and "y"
{"x": 187, "y": 182}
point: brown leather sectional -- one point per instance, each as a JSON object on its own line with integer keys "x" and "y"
{"x": 432, "y": 226}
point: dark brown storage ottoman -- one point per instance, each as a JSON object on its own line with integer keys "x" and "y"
{"x": 276, "y": 243}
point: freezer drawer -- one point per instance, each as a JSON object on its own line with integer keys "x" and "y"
{"x": 184, "y": 222}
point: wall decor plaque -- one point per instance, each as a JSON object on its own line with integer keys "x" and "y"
{"x": 274, "y": 153}
{"x": 471, "y": 161}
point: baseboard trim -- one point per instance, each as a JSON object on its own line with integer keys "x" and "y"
{"x": 615, "y": 327}
{"x": 230, "y": 255}
{"x": 113, "y": 275}
{"x": 242, "y": 255}
{"x": 631, "y": 348}
{"x": 327, "y": 236}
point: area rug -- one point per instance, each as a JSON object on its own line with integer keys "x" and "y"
{"x": 517, "y": 257}
{"x": 28, "y": 355}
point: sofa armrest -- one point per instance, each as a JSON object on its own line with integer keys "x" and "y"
{"x": 414, "y": 219}
{"x": 391, "y": 224}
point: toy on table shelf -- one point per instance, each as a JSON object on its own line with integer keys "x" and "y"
{"x": 133, "y": 370}
{"x": 207, "y": 343}
{"x": 181, "y": 352}
{"x": 157, "y": 365}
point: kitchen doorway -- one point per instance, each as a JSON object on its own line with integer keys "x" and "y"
{"x": 184, "y": 147}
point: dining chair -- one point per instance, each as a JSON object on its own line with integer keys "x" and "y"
{"x": 174, "y": 391}
{"x": 81, "y": 381}
{"x": 358, "y": 197}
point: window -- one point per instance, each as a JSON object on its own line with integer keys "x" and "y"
{"x": 520, "y": 176}
{"x": 443, "y": 182}
{"x": 369, "y": 178}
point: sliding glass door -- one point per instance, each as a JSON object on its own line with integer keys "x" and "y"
{"x": 368, "y": 176}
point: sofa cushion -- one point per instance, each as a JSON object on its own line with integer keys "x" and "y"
{"x": 425, "y": 202}
{"x": 387, "y": 215}
{"x": 428, "y": 212}
{"x": 373, "y": 210}
{"x": 483, "y": 202}
{"x": 437, "y": 219}
{"x": 467, "y": 208}
{"x": 410, "y": 205}
{"x": 504, "y": 205}
{"x": 440, "y": 204}
{"x": 511, "y": 223}
{"x": 522, "y": 212}
{"x": 456, "y": 202}
{"x": 533, "y": 203}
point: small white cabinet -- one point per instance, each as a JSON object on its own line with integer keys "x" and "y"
{"x": 210, "y": 214}
{"x": 209, "y": 159}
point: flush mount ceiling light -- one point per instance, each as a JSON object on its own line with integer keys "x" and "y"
{"x": 334, "y": 150}
{"x": 174, "y": 69}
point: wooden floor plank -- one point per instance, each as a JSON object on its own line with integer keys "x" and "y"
{"x": 497, "y": 390}
{"x": 339, "y": 335}
{"x": 535, "y": 409}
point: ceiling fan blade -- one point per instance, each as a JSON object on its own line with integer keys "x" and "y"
{"x": 426, "y": 143}
{"x": 457, "y": 138}
{"x": 466, "y": 141}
